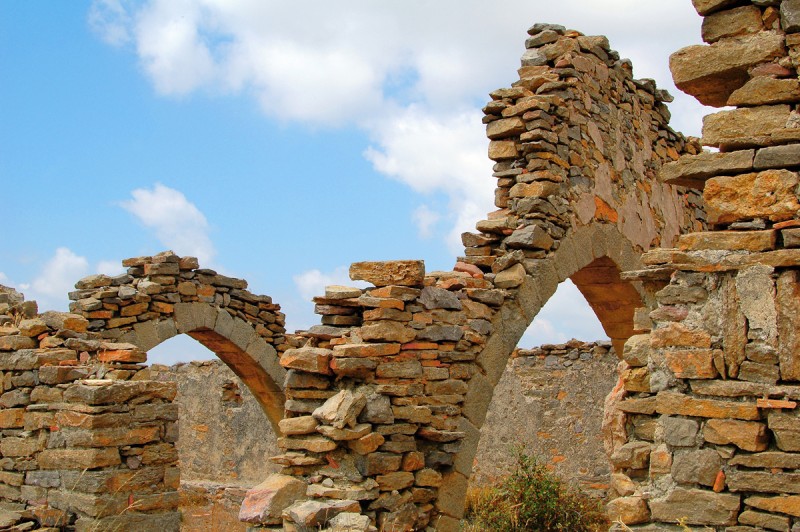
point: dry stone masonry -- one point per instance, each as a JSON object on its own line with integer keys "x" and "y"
{"x": 379, "y": 408}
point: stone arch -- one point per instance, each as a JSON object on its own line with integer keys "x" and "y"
{"x": 233, "y": 340}
{"x": 164, "y": 295}
{"x": 593, "y": 257}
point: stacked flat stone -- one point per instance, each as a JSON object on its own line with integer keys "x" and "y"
{"x": 713, "y": 385}
{"x": 79, "y": 450}
{"x": 153, "y": 286}
{"x": 575, "y": 122}
{"x": 372, "y": 416}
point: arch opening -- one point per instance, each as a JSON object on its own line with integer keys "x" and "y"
{"x": 223, "y": 437}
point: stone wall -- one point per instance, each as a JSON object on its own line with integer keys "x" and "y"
{"x": 555, "y": 395}
{"x": 713, "y": 433}
{"x": 81, "y": 448}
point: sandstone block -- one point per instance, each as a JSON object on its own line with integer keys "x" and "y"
{"x": 315, "y": 444}
{"x": 537, "y": 189}
{"x": 732, "y": 22}
{"x": 298, "y": 425}
{"x": 691, "y": 363}
{"x": 500, "y": 150}
{"x": 729, "y": 240}
{"x": 359, "y": 431}
{"x": 746, "y": 126}
{"x": 637, "y": 350}
{"x": 766, "y": 90}
{"x": 786, "y": 428}
{"x": 342, "y": 409}
{"x": 398, "y": 272}
{"x": 672, "y": 403}
{"x": 768, "y": 194}
{"x": 694, "y": 170}
{"x": 632, "y": 455}
{"x": 312, "y": 515}
{"x": 706, "y": 7}
{"x": 764, "y": 521}
{"x": 264, "y": 503}
{"x": 366, "y": 444}
{"x": 786, "y": 504}
{"x": 746, "y": 435}
{"x": 636, "y": 379}
{"x": 712, "y": 73}
{"x": 530, "y": 237}
{"x": 788, "y": 306}
{"x": 505, "y": 127}
{"x": 764, "y": 481}
{"x": 678, "y": 335}
{"x": 791, "y": 237}
{"x": 698, "y": 507}
{"x": 629, "y": 510}
{"x": 309, "y": 359}
{"x": 365, "y": 350}
{"x": 511, "y": 278}
{"x": 78, "y": 458}
{"x": 395, "y": 481}
{"x": 387, "y": 331}
{"x": 400, "y": 369}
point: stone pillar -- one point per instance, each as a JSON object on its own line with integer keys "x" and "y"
{"x": 712, "y": 414}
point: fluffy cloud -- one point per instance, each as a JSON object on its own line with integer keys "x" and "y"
{"x": 356, "y": 63}
{"x": 563, "y": 318}
{"x": 425, "y": 220}
{"x": 178, "y": 224}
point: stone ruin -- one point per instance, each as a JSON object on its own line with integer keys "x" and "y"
{"x": 689, "y": 258}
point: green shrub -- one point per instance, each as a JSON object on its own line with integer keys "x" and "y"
{"x": 532, "y": 499}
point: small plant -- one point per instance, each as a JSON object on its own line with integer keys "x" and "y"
{"x": 532, "y": 498}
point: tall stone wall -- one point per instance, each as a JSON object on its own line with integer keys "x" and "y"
{"x": 713, "y": 428}
{"x": 555, "y": 395}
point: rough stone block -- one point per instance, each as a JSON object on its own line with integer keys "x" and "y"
{"x": 766, "y": 90}
{"x": 691, "y": 363}
{"x": 309, "y": 359}
{"x": 729, "y": 240}
{"x": 712, "y": 73}
{"x": 786, "y": 504}
{"x": 746, "y": 435}
{"x": 399, "y": 272}
{"x": 672, "y": 403}
{"x": 768, "y": 194}
{"x": 738, "y": 21}
{"x": 745, "y": 127}
{"x": 696, "y": 507}
{"x": 694, "y": 170}
{"x": 265, "y": 503}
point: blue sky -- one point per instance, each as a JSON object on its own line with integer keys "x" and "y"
{"x": 277, "y": 141}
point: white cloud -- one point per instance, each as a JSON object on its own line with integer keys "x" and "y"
{"x": 54, "y": 280}
{"x": 356, "y": 63}
{"x": 177, "y": 222}
{"x": 425, "y": 220}
{"x": 312, "y": 283}
{"x": 309, "y": 284}
{"x": 110, "y": 267}
{"x": 110, "y": 21}
{"x": 566, "y": 315}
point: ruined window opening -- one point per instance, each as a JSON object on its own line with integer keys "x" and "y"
{"x": 223, "y": 434}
